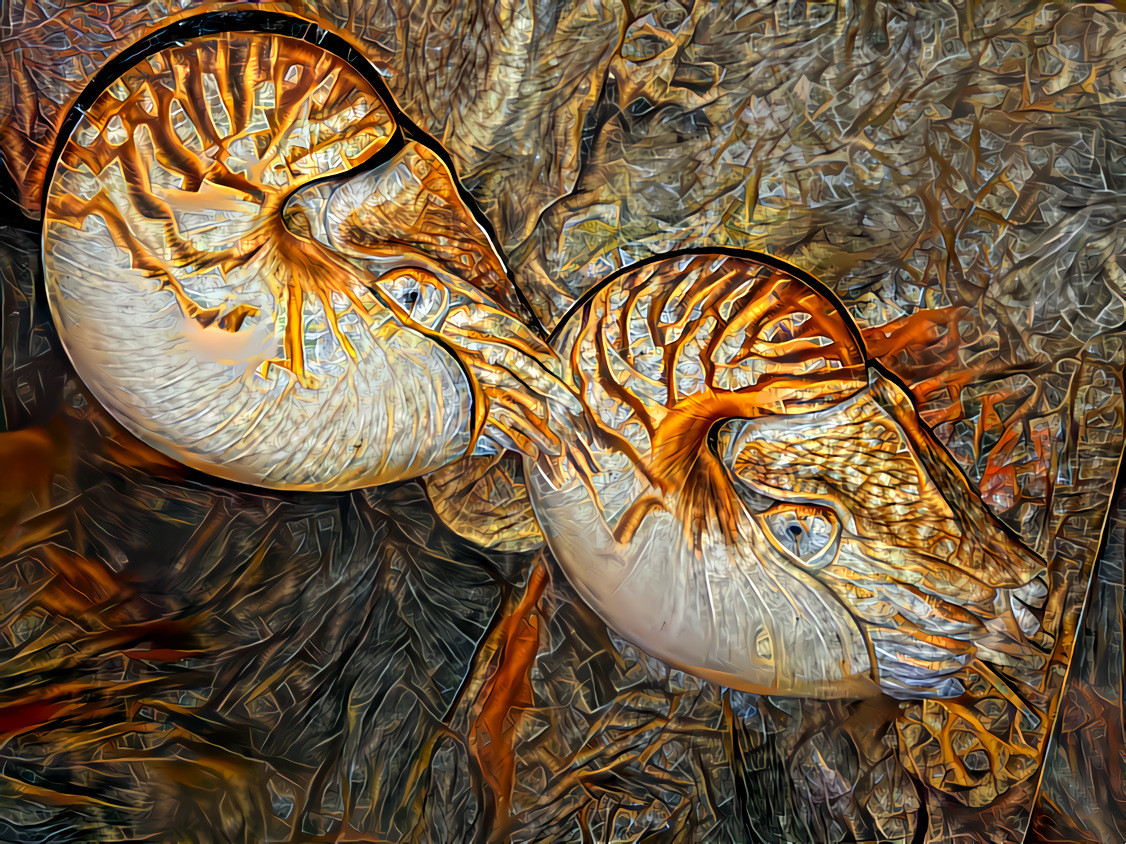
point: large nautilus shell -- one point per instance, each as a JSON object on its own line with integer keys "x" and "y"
{"x": 259, "y": 272}
{"x": 241, "y": 295}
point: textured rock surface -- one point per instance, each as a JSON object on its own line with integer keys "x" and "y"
{"x": 176, "y": 651}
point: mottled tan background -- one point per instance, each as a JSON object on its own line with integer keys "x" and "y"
{"x": 184, "y": 656}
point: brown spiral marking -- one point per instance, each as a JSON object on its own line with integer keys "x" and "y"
{"x": 214, "y": 82}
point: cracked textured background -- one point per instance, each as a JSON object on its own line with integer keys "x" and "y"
{"x": 186, "y": 660}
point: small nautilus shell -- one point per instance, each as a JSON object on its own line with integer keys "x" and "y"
{"x": 658, "y": 537}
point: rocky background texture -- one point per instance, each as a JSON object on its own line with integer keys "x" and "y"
{"x": 187, "y": 660}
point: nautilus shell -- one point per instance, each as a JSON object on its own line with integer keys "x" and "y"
{"x": 657, "y": 539}
{"x": 761, "y": 507}
{"x": 258, "y": 272}
{"x": 239, "y": 296}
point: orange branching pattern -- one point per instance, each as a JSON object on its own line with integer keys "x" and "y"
{"x": 28, "y": 130}
{"x": 684, "y": 344}
{"x": 223, "y": 122}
